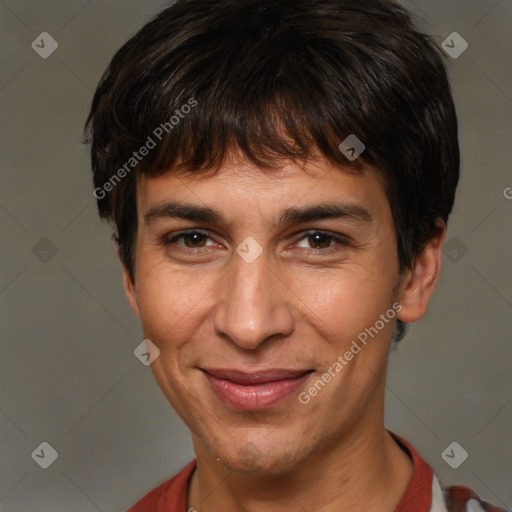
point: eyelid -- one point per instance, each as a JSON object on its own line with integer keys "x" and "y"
{"x": 341, "y": 239}
{"x": 337, "y": 237}
{"x": 170, "y": 239}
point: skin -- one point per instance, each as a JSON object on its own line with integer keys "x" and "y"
{"x": 290, "y": 308}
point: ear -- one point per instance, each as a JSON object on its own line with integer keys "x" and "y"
{"x": 129, "y": 287}
{"x": 419, "y": 282}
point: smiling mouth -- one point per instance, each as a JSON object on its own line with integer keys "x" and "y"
{"x": 254, "y": 391}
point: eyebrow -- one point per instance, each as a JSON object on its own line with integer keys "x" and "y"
{"x": 328, "y": 210}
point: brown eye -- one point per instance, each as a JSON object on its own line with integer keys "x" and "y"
{"x": 321, "y": 239}
{"x": 195, "y": 238}
{"x": 191, "y": 240}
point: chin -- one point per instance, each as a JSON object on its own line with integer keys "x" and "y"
{"x": 265, "y": 456}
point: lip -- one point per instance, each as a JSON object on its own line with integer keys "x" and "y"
{"x": 254, "y": 391}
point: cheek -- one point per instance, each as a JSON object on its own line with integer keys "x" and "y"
{"x": 346, "y": 300}
{"x": 163, "y": 309}
{"x": 168, "y": 300}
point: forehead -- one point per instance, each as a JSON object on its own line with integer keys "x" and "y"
{"x": 241, "y": 187}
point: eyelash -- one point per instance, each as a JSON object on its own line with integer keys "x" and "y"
{"x": 342, "y": 240}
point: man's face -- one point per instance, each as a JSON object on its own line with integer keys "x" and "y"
{"x": 297, "y": 306}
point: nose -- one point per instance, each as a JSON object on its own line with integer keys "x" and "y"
{"x": 254, "y": 304}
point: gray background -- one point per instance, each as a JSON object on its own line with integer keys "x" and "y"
{"x": 68, "y": 374}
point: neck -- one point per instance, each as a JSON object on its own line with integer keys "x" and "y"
{"x": 367, "y": 469}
